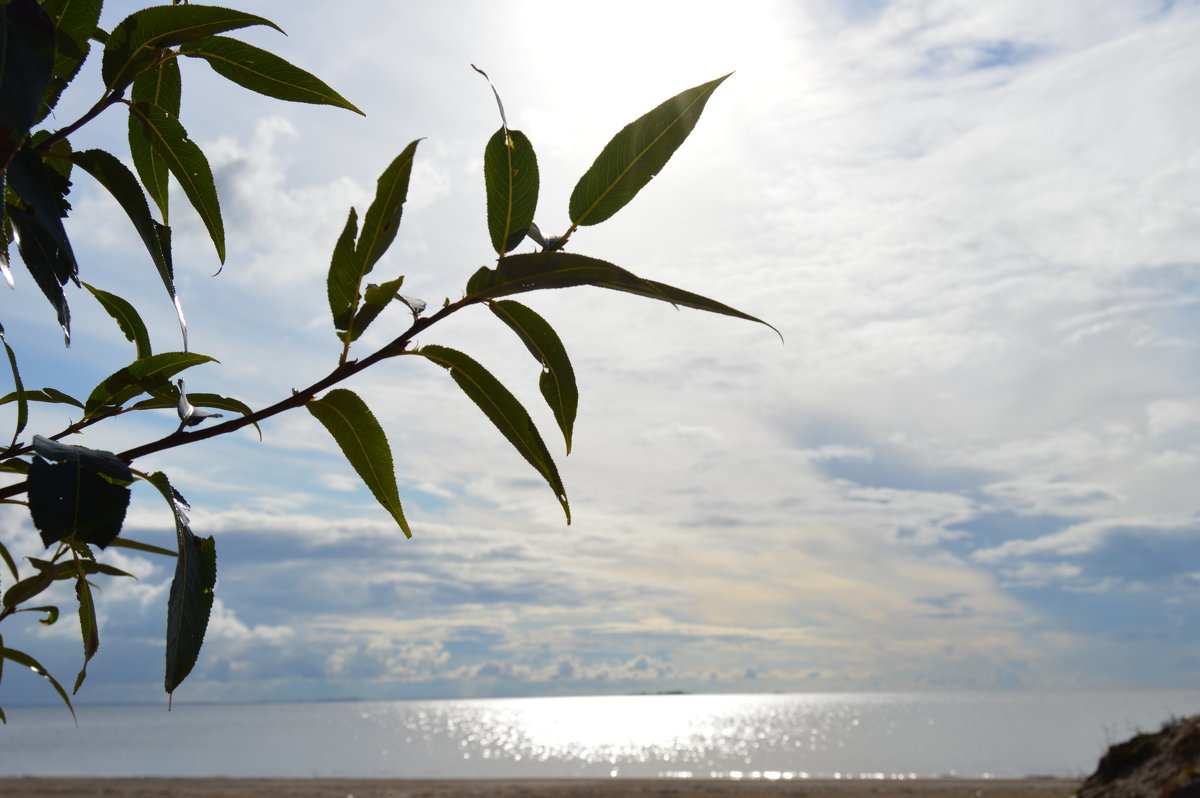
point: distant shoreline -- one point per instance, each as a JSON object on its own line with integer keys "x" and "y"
{"x": 531, "y": 788}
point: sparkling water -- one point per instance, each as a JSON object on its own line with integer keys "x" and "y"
{"x": 764, "y": 736}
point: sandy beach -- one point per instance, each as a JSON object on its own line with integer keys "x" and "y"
{"x": 545, "y": 788}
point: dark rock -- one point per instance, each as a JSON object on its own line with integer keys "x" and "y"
{"x": 1165, "y": 764}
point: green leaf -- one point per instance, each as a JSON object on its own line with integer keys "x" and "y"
{"x": 637, "y": 154}
{"x": 14, "y": 465}
{"x": 48, "y": 395}
{"x": 126, "y": 543}
{"x": 503, "y": 409}
{"x": 199, "y": 400}
{"x": 365, "y": 445}
{"x": 21, "y": 397}
{"x": 187, "y": 164}
{"x": 533, "y": 271}
{"x": 74, "y": 21}
{"x": 21, "y": 658}
{"x": 510, "y": 174}
{"x": 264, "y": 72}
{"x": 88, "y": 627}
{"x": 342, "y": 282}
{"x": 161, "y": 87}
{"x": 557, "y": 380}
{"x": 127, "y": 318}
{"x": 147, "y": 375}
{"x": 27, "y": 588}
{"x": 137, "y": 41}
{"x": 375, "y": 299}
{"x": 189, "y": 604}
{"x": 68, "y": 498}
{"x": 27, "y": 56}
{"x": 9, "y": 561}
{"x": 120, "y": 182}
{"x": 353, "y": 261}
{"x": 382, "y": 218}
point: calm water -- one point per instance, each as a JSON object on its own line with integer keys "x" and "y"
{"x": 855, "y": 735}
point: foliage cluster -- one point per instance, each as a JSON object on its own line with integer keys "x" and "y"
{"x": 77, "y": 496}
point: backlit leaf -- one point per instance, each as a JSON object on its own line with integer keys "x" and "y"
{"x": 147, "y": 375}
{"x": 533, "y": 271}
{"x": 136, "y": 42}
{"x": 352, "y": 261}
{"x": 365, "y": 445}
{"x": 504, "y": 410}
{"x": 264, "y": 72}
{"x": 557, "y": 379}
{"x": 187, "y": 164}
{"x": 510, "y": 173}
{"x": 382, "y": 218}
{"x": 161, "y": 87}
{"x": 68, "y": 498}
{"x": 375, "y": 299}
{"x": 89, "y": 629}
{"x": 27, "y": 56}
{"x": 21, "y": 658}
{"x": 127, "y": 319}
{"x": 190, "y": 601}
{"x": 636, "y": 154}
{"x": 21, "y": 398}
{"x": 120, "y": 182}
{"x": 74, "y": 21}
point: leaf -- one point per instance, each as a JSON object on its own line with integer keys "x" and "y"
{"x": 9, "y": 561}
{"x": 187, "y": 164}
{"x": 636, "y": 154}
{"x": 48, "y": 395}
{"x": 533, "y": 271}
{"x": 341, "y": 283}
{"x": 74, "y": 21}
{"x": 127, "y": 318}
{"x": 353, "y": 261}
{"x": 120, "y": 182}
{"x": 557, "y": 380}
{"x": 27, "y": 55}
{"x": 137, "y": 545}
{"x": 21, "y": 397}
{"x": 44, "y": 259}
{"x": 365, "y": 445}
{"x": 375, "y": 299}
{"x": 88, "y": 627}
{"x": 136, "y": 42}
{"x": 43, "y": 241}
{"x": 21, "y": 658}
{"x": 503, "y": 409}
{"x": 382, "y": 218}
{"x": 189, "y": 604}
{"x": 510, "y": 173}
{"x": 97, "y": 460}
{"x": 27, "y": 588}
{"x": 264, "y": 72}
{"x": 160, "y": 87}
{"x": 68, "y": 498}
{"x": 199, "y": 400}
{"x": 146, "y": 375}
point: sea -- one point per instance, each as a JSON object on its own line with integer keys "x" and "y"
{"x": 757, "y": 736}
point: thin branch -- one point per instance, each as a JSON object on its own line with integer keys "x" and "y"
{"x": 342, "y": 372}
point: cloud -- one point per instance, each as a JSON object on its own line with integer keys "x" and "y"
{"x": 971, "y": 464}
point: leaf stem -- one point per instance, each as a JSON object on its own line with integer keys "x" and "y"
{"x": 109, "y": 99}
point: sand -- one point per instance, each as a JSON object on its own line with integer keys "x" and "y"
{"x": 547, "y": 788}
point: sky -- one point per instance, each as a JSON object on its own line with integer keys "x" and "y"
{"x": 971, "y": 463}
